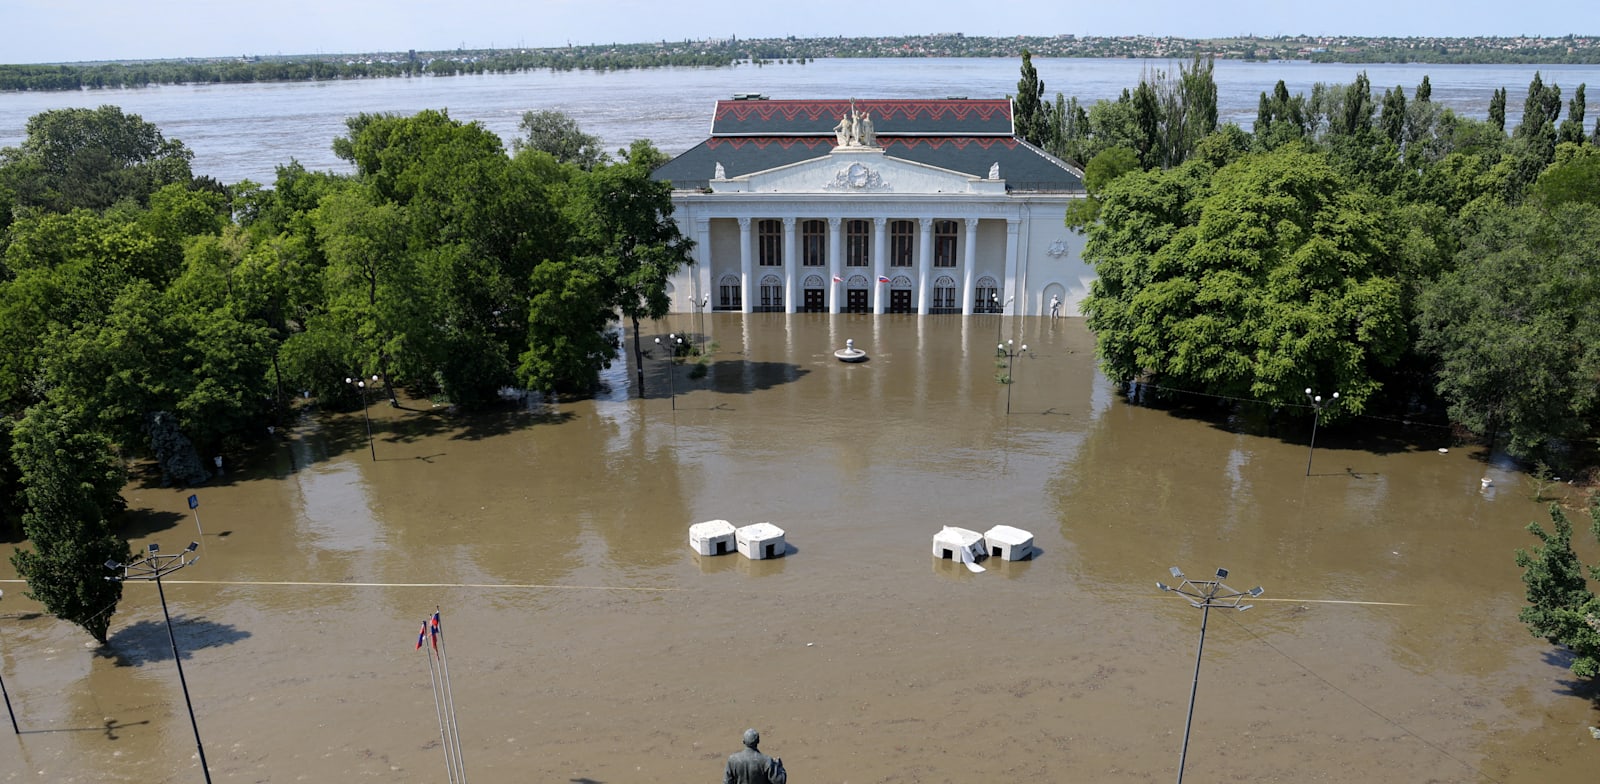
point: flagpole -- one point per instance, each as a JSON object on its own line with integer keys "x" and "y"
{"x": 450, "y": 695}
{"x": 438, "y": 709}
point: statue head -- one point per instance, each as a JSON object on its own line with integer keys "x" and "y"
{"x": 752, "y": 738}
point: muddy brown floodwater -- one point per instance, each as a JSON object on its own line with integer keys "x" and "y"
{"x": 587, "y": 643}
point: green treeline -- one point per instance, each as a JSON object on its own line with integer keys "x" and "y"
{"x": 305, "y": 69}
{"x": 1360, "y": 240}
{"x": 729, "y": 51}
{"x": 147, "y": 312}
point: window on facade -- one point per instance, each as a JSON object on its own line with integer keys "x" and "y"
{"x": 944, "y": 243}
{"x": 813, "y": 243}
{"x": 857, "y": 239}
{"x": 771, "y": 295}
{"x": 986, "y": 300}
{"x": 769, "y": 242}
{"x": 944, "y": 294}
{"x": 901, "y": 233}
{"x": 729, "y": 295}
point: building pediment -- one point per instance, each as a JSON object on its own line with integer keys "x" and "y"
{"x": 858, "y": 170}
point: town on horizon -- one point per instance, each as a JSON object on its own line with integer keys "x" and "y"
{"x": 1573, "y": 48}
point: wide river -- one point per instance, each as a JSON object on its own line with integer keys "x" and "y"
{"x": 587, "y": 643}
{"x": 246, "y": 131}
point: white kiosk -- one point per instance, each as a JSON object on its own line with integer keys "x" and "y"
{"x": 713, "y": 537}
{"x": 1009, "y": 544}
{"x": 760, "y": 541}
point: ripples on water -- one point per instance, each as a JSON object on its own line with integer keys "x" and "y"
{"x": 246, "y": 131}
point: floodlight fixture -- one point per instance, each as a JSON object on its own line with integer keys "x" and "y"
{"x": 1204, "y": 594}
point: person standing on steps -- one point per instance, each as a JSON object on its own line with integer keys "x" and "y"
{"x": 1055, "y": 307}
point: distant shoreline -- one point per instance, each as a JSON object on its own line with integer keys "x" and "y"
{"x": 731, "y": 52}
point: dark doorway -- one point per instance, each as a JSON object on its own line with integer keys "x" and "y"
{"x": 900, "y": 301}
{"x": 815, "y": 302}
{"x": 856, "y": 301}
{"x": 722, "y": 548}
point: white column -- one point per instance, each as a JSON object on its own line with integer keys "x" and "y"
{"x": 703, "y": 276}
{"x": 835, "y": 246}
{"x": 924, "y": 262}
{"x": 968, "y": 262}
{"x": 1013, "y": 225}
{"x": 880, "y": 250}
{"x": 791, "y": 265}
{"x": 744, "y": 265}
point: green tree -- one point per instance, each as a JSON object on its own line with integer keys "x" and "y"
{"x": 1572, "y": 127}
{"x": 1561, "y": 608}
{"x": 90, "y": 158}
{"x": 73, "y": 480}
{"x": 558, "y": 134}
{"x": 622, "y": 223}
{"x": 1497, "y": 109}
{"x": 1264, "y": 278}
{"x": 1101, "y": 171}
{"x": 1514, "y": 331}
{"x": 1031, "y": 119}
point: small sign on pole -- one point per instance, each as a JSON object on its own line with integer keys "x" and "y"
{"x": 194, "y": 502}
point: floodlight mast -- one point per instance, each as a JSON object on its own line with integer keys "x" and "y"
{"x": 1204, "y": 594}
{"x": 153, "y": 566}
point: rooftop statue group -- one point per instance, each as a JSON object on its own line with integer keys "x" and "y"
{"x": 855, "y": 130}
{"x": 750, "y": 766}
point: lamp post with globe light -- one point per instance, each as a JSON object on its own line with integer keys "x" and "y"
{"x": 671, "y": 345}
{"x": 361, "y": 383}
{"x": 1005, "y": 350}
{"x": 1317, "y": 404}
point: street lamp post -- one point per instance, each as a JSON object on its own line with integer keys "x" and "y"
{"x": 1317, "y": 403}
{"x": 671, "y": 345}
{"x": 362, "y": 384}
{"x": 1204, "y": 594}
{"x": 1005, "y": 350}
{"x": 7, "y": 694}
{"x": 153, "y": 566}
{"x": 705, "y": 302}
{"x": 999, "y": 313}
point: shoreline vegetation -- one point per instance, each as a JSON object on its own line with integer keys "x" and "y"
{"x": 730, "y": 52}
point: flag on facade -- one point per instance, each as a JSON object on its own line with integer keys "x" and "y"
{"x": 422, "y": 635}
{"x": 882, "y": 279}
{"x": 837, "y": 279}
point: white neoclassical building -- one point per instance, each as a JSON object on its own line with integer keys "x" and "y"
{"x": 874, "y": 206}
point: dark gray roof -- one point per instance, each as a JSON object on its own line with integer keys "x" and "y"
{"x": 1023, "y": 166}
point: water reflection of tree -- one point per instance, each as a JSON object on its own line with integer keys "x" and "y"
{"x": 145, "y": 642}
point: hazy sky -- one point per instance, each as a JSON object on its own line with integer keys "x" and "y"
{"x": 37, "y": 31}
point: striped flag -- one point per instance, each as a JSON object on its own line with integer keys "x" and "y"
{"x": 433, "y": 628}
{"x": 882, "y": 279}
{"x": 422, "y": 635}
{"x": 837, "y": 279}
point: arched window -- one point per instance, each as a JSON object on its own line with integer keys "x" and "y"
{"x": 730, "y": 295}
{"x": 986, "y": 296}
{"x": 944, "y": 295}
{"x": 771, "y": 294}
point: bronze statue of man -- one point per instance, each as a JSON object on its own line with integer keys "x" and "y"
{"x": 750, "y": 766}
